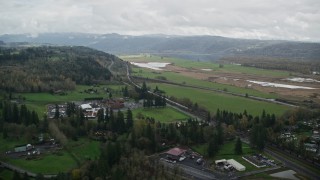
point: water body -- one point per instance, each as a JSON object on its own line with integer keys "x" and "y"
{"x": 206, "y": 69}
{"x": 298, "y": 79}
{"x": 152, "y": 65}
{"x": 269, "y": 84}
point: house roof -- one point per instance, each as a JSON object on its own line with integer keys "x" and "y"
{"x": 176, "y": 151}
{"x": 220, "y": 161}
{"x": 86, "y": 106}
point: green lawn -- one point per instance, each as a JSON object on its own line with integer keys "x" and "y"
{"x": 38, "y": 101}
{"x": 213, "y": 100}
{"x": 166, "y": 114}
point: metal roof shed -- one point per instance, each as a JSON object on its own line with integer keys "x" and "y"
{"x": 236, "y": 165}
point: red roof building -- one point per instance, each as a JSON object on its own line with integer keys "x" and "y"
{"x": 176, "y": 151}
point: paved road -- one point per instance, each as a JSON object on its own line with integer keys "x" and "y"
{"x": 292, "y": 165}
{"x": 192, "y": 172}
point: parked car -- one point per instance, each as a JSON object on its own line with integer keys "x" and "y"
{"x": 199, "y": 161}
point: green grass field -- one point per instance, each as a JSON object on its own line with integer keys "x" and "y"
{"x": 48, "y": 164}
{"x": 83, "y": 149}
{"x": 164, "y": 115}
{"x": 209, "y": 65}
{"x": 38, "y": 101}
{"x": 212, "y": 100}
{"x": 178, "y": 78}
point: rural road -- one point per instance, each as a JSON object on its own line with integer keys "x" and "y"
{"x": 292, "y": 165}
{"x": 192, "y": 172}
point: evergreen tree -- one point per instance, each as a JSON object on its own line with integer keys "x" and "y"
{"x": 238, "y": 147}
{"x": 208, "y": 117}
{"x": 213, "y": 146}
{"x": 133, "y": 138}
{"x": 23, "y": 115}
{"x": 125, "y": 92}
{"x": 143, "y": 91}
{"x": 258, "y": 136}
{"x": 220, "y": 134}
{"x": 120, "y": 122}
{"x": 16, "y": 176}
{"x": 129, "y": 119}
{"x": 25, "y": 176}
{"x": 100, "y": 115}
{"x": 15, "y": 113}
{"x": 34, "y": 118}
{"x": 57, "y": 113}
{"x": 70, "y": 109}
{"x": 218, "y": 115}
{"x": 106, "y": 118}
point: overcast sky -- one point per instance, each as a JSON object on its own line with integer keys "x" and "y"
{"x": 258, "y": 19}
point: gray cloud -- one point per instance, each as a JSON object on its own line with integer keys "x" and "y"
{"x": 259, "y": 19}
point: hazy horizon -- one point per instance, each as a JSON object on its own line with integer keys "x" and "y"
{"x": 249, "y": 19}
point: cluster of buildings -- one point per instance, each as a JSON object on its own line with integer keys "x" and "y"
{"x": 90, "y": 108}
{"x": 190, "y": 158}
{"x": 230, "y": 164}
{"x": 312, "y": 144}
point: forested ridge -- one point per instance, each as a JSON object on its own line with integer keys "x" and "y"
{"x": 47, "y": 68}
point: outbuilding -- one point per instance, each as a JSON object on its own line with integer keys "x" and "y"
{"x": 236, "y": 165}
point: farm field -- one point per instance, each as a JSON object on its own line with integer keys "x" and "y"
{"x": 207, "y": 65}
{"x": 164, "y": 115}
{"x": 178, "y": 78}
{"x": 61, "y": 161}
{"x": 38, "y": 101}
{"x": 49, "y": 164}
{"x": 212, "y": 100}
{"x": 231, "y": 77}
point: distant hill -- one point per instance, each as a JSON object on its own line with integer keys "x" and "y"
{"x": 192, "y": 47}
{"x": 45, "y": 68}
